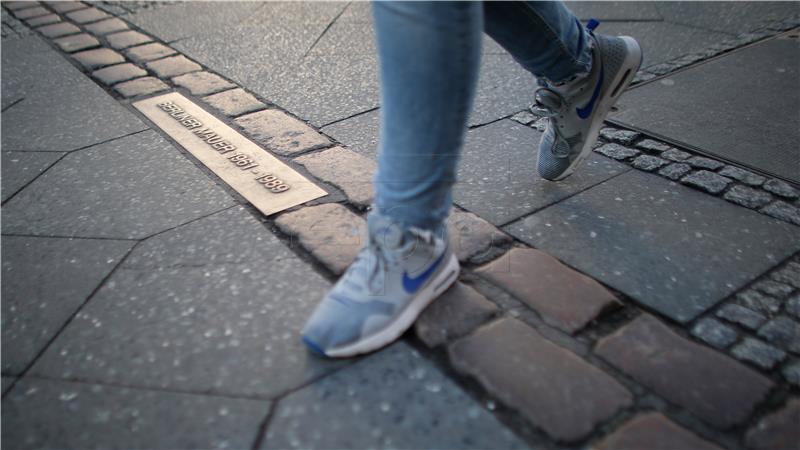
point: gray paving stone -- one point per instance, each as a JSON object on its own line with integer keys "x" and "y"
{"x": 773, "y": 288}
{"x": 60, "y": 414}
{"x": 740, "y": 315}
{"x": 472, "y": 238}
{"x": 76, "y": 42}
{"x": 648, "y": 163}
{"x": 617, "y": 151}
{"x": 59, "y": 29}
{"x": 783, "y": 332}
{"x": 700, "y": 162}
{"x": 173, "y": 66}
{"x": 724, "y": 392}
{"x": 45, "y": 280}
{"x": 203, "y": 83}
{"x": 27, "y": 13}
{"x": 687, "y": 107}
{"x": 594, "y": 232}
{"x": 61, "y": 107}
{"x": 280, "y": 132}
{"x": 115, "y": 190}
{"x": 747, "y": 197}
{"x": 745, "y": 176}
{"x": 792, "y": 373}
{"x": 499, "y": 356}
{"x": 707, "y": 181}
{"x": 43, "y": 20}
{"x": 652, "y": 146}
{"x": 675, "y": 171}
{"x": 87, "y": 15}
{"x": 13, "y": 6}
{"x": 141, "y": 86}
{"x": 653, "y": 431}
{"x": 778, "y": 430}
{"x": 509, "y": 187}
{"x": 781, "y": 188}
{"x": 789, "y": 274}
{"x": 120, "y": 72}
{"x": 393, "y": 399}
{"x": 622, "y": 137}
{"x": 234, "y": 102}
{"x": 125, "y": 39}
{"x": 20, "y": 168}
{"x": 149, "y": 52}
{"x": 107, "y": 26}
{"x": 196, "y": 310}
{"x": 783, "y": 211}
{"x": 100, "y": 57}
{"x": 359, "y": 133}
{"x": 458, "y": 311}
{"x": 345, "y": 169}
{"x": 758, "y": 302}
{"x": 793, "y": 306}
{"x": 67, "y": 6}
{"x": 725, "y": 16}
{"x": 758, "y": 352}
{"x": 181, "y": 20}
{"x": 330, "y": 232}
{"x": 715, "y": 333}
{"x": 676, "y": 155}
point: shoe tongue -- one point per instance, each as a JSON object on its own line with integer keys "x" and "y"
{"x": 386, "y": 232}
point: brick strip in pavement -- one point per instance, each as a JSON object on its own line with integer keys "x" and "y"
{"x": 779, "y": 430}
{"x": 653, "y": 431}
{"x": 550, "y": 386}
{"x": 330, "y": 232}
{"x": 714, "y": 387}
{"x": 455, "y": 313}
{"x": 563, "y": 297}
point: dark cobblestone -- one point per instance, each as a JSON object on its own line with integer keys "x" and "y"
{"x": 742, "y": 175}
{"x": 707, "y": 181}
{"x": 773, "y": 288}
{"x": 675, "y": 171}
{"x": 781, "y": 188}
{"x": 758, "y": 352}
{"x": 777, "y": 431}
{"x": 714, "y": 332}
{"x": 747, "y": 197}
{"x": 789, "y": 274}
{"x": 793, "y": 306}
{"x": 740, "y": 315}
{"x": 624, "y": 137}
{"x": 700, "y": 162}
{"x": 648, "y": 163}
{"x": 792, "y": 373}
{"x": 617, "y": 152}
{"x": 759, "y": 302}
{"x": 782, "y": 331}
{"x": 676, "y": 155}
{"x": 653, "y": 431}
{"x": 784, "y": 211}
{"x": 653, "y": 146}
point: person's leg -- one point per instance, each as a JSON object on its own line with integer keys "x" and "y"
{"x": 581, "y": 75}
{"x": 429, "y": 61}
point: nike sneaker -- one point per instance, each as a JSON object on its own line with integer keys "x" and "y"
{"x": 395, "y": 276}
{"x": 576, "y": 110}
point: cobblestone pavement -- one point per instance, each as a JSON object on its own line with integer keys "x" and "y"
{"x": 650, "y": 301}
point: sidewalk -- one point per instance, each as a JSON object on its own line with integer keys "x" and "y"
{"x": 652, "y": 300}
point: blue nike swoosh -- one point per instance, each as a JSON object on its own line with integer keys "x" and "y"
{"x": 586, "y": 111}
{"x": 411, "y": 285}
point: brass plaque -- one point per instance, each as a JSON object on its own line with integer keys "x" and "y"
{"x": 261, "y": 178}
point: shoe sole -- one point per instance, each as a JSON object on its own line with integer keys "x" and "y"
{"x": 621, "y": 81}
{"x": 435, "y": 287}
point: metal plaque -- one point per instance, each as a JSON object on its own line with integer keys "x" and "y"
{"x": 261, "y": 178}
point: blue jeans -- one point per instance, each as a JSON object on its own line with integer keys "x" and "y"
{"x": 429, "y": 61}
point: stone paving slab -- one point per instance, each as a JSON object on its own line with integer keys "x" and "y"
{"x": 59, "y": 29}
{"x": 563, "y": 297}
{"x": 660, "y": 243}
{"x": 459, "y": 310}
{"x": 44, "y": 281}
{"x": 726, "y": 16}
{"x": 723, "y": 392}
{"x": 202, "y": 83}
{"x": 653, "y": 431}
{"x": 57, "y": 414}
{"x": 472, "y": 238}
{"x": 149, "y": 52}
{"x": 678, "y": 107}
{"x": 141, "y": 86}
{"x": 393, "y": 399}
{"x": 120, "y": 72}
{"x": 497, "y": 176}
{"x": 234, "y": 102}
{"x": 280, "y": 132}
{"x": 107, "y": 26}
{"x": 778, "y": 430}
{"x": 115, "y": 190}
{"x": 539, "y": 379}
{"x": 359, "y": 133}
{"x": 345, "y": 169}
{"x": 59, "y": 112}
{"x": 185, "y": 315}
{"x": 19, "y": 168}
